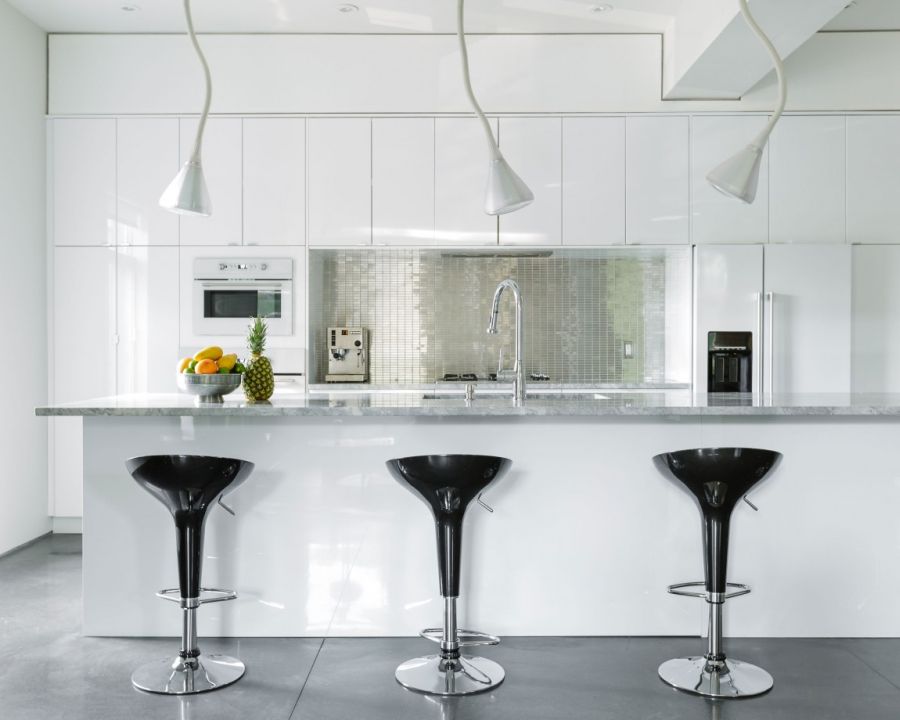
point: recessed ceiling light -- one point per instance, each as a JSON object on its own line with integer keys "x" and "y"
{"x": 348, "y": 8}
{"x": 601, "y": 8}
{"x": 131, "y": 8}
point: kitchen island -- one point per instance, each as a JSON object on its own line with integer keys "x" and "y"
{"x": 585, "y": 535}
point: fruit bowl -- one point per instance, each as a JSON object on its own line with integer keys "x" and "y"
{"x": 209, "y": 388}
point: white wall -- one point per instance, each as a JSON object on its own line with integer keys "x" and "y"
{"x": 23, "y": 437}
{"x": 135, "y": 74}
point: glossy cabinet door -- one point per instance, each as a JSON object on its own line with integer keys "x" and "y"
{"x": 873, "y": 183}
{"x": 403, "y": 181}
{"x": 146, "y": 319}
{"x": 728, "y": 285}
{"x": 274, "y": 181}
{"x": 875, "y": 310}
{"x": 83, "y": 181}
{"x": 808, "y": 310}
{"x": 593, "y": 181}
{"x": 461, "y": 160}
{"x": 146, "y": 162}
{"x": 657, "y": 177}
{"x": 83, "y": 358}
{"x": 339, "y": 173}
{"x": 807, "y": 180}
{"x": 717, "y": 218}
{"x": 222, "y": 168}
{"x": 533, "y": 148}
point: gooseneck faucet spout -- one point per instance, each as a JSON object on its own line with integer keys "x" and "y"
{"x": 519, "y": 363}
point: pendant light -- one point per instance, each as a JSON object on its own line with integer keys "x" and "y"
{"x": 187, "y": 193}
{"x": 505, "y": 191}
{"x": 738, "y": 176}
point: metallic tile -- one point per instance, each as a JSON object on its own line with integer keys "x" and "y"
{"x": 427, "y": 310}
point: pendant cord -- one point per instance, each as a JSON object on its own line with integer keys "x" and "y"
{"x": 761, "y": 139}
{"x": 198, "y": 140}
{"x": 467, "y": 81}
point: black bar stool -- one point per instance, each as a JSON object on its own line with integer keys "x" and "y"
{"x": 717, "y": 478}
{"x": 448, "y": 483}
{"x": 187, "y": 485}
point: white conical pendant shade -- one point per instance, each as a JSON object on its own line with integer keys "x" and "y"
{"x": 505, "y": 190}
{"x": 738, "y": 176}
{"x": 187, "y": 193}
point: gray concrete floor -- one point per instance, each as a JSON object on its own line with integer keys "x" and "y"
{"x": 50, "y": 671}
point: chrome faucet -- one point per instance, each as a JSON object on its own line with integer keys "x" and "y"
{"x": 519, "y": 364}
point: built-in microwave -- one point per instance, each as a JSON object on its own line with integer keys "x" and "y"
{"x": 230, "y": 291}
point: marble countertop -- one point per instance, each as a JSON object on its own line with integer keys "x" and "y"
{"x": 554, "y": 403}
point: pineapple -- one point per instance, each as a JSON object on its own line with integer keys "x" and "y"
{"x": 259, "y": 381}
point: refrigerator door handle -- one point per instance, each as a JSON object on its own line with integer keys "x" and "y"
{"x": 758, "y": 371}
{"x": 770, "y": 344}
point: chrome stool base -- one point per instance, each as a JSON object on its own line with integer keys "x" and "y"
{"x": 731, "y": 679}
{"x": 177, "y": 677}
{"x": 435, "y": 676}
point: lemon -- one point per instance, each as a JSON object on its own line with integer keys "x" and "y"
{"x": 184, "y": 363}
{"x": 227, "y": 361}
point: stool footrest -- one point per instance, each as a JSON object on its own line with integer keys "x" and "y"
{"x": 467, "y": 638}
{"x": 216, "y": 595}
{"x": 681, "y": 589}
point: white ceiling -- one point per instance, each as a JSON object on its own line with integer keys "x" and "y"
{"x": 868, "y": 15}
{"x": 373, "y": 16}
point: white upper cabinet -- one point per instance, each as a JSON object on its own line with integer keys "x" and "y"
{"x": 146, "y": 319}
{"x": 657, "y": 175}
{"x": 807, "y": 180}
{"x": 718, "y": 218}
{"x": 533, "y": 148}
{"x": 461, "y": 159}
{"x": 339, "y": 173}
{"x": 593, "y": 181}
{"x": 274, "y": 181}
{"x": 403, "y": 181}
{"x": 873, "y": 180}
{"x": 83, "y": 181}
{"x": 147, "y": 160}
{"x": 222, "y": 167}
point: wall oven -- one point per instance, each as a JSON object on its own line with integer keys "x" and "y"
{"x": 229, "y": 291}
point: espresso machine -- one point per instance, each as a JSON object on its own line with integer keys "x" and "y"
{"x": 348, "y": 355}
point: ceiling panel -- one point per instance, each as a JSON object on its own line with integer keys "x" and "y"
{"x": 371, "y": 16}
{"x": 868, "y": 15}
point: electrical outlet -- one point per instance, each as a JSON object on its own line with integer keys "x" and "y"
{"x": 628, "y": 349}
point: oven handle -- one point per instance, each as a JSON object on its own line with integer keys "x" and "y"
{"x": 242, "y": 284}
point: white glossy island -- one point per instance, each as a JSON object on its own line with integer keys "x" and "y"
{"x": 583, "y": 541}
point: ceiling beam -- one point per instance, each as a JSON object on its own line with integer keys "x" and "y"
{"x": 711, "y": 53}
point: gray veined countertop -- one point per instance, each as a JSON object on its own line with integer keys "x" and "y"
{"x": 561, "y": 404}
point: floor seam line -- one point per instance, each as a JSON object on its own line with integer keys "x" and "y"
{"x": 873, "y": 669}
{"x": 306, "y": 679}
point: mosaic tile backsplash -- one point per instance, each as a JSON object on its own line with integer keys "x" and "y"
{"x": 427, "y": 311}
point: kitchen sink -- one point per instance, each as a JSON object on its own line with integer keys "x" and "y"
{"x": 583, "y": 396}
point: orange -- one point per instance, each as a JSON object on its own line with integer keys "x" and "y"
{"x": 183, "y": 363}
{"x": 206, "y": 367}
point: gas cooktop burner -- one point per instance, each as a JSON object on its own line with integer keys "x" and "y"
{"x": 457, "y": 377}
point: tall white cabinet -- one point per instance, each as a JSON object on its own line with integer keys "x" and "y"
{"x": 83, "y": 357}
{"x": 794, "y": 299}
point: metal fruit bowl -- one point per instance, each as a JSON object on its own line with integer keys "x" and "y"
{"x": 209, "y": 388}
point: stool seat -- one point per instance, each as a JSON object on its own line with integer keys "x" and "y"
{"x": 188, "y": 485}
{"x": 448, "y": 484}
{"x": 717, "y": 478}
